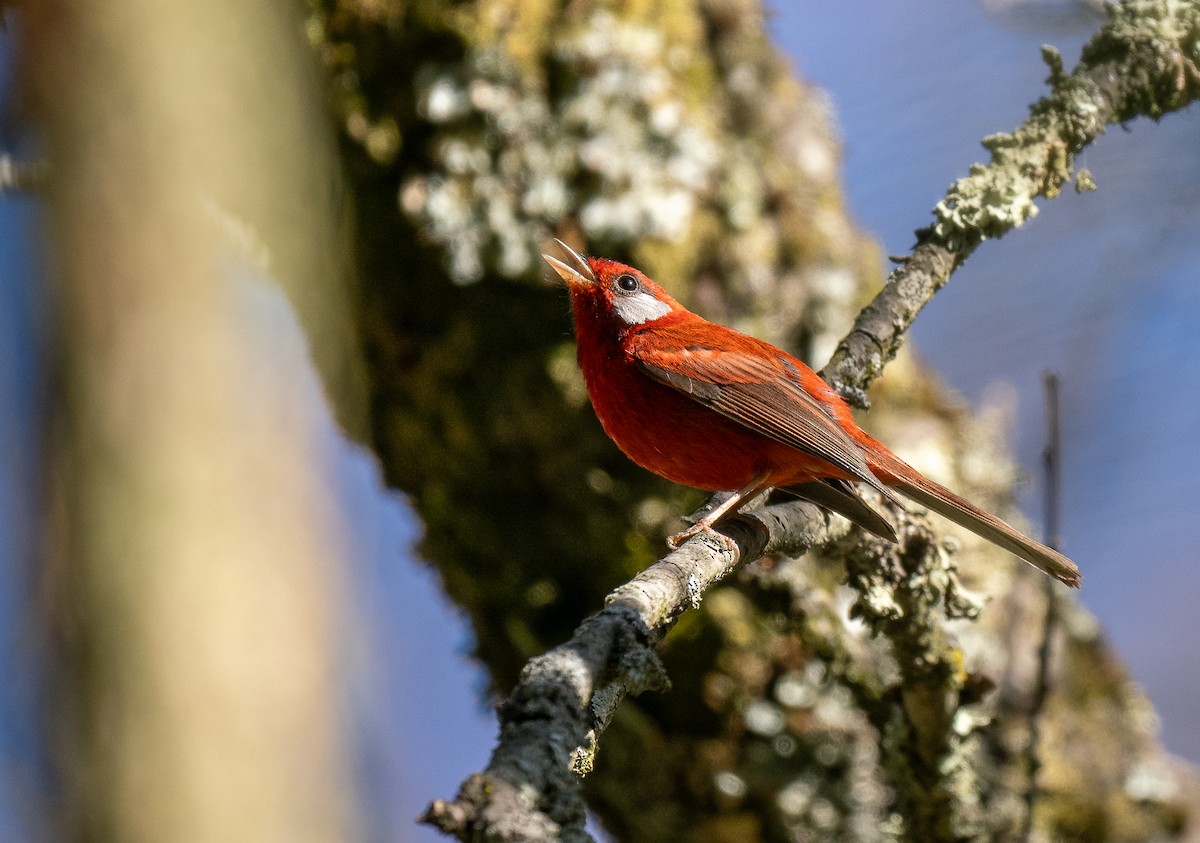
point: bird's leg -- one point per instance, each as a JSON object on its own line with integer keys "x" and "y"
{"x": 706, "y": 523}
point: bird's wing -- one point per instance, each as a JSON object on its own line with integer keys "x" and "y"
{"x": 755, "y": 385}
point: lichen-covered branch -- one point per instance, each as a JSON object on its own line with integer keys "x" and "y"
{"x": 530, "y": 790}
{"x": 1144, "y": 63}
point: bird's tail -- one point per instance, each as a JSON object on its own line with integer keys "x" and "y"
{"x": 912, "y": 484}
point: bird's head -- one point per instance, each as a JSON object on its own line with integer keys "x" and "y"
{"x": 604, "y": 287}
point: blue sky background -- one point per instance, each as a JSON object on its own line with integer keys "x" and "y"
{"x": 1100, "y": 287}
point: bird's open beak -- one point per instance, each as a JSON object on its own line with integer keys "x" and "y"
{"x": 575, "y": 269}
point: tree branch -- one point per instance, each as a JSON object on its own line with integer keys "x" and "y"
{"x": 1143, "y": 63}
{"x": 529, "y": 790}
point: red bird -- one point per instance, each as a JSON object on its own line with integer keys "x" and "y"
{"x": 708, "y": 407}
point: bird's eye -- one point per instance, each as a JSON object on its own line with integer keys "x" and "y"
{"x": 627, "y": 283}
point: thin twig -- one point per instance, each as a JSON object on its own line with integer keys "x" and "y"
{"x": 1052, "y": 461}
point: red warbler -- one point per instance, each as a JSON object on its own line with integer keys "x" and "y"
{"x": 708, "y": 407}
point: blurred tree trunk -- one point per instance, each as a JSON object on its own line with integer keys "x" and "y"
{"x": 195, "y": 565}
{"x": 672, "y": 135}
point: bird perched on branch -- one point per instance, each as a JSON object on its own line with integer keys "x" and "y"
{"x": 708, "y": 407}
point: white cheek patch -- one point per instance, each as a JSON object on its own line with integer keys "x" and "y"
{"x": 639, "y": 308}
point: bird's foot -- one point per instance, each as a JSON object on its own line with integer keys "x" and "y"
{"x": 703, "y": 526}
{"x": 676, "y": 541}
{"x": 730, "y": 503}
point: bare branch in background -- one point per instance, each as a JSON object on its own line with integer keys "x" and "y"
{"x": 1052, "y": 459}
